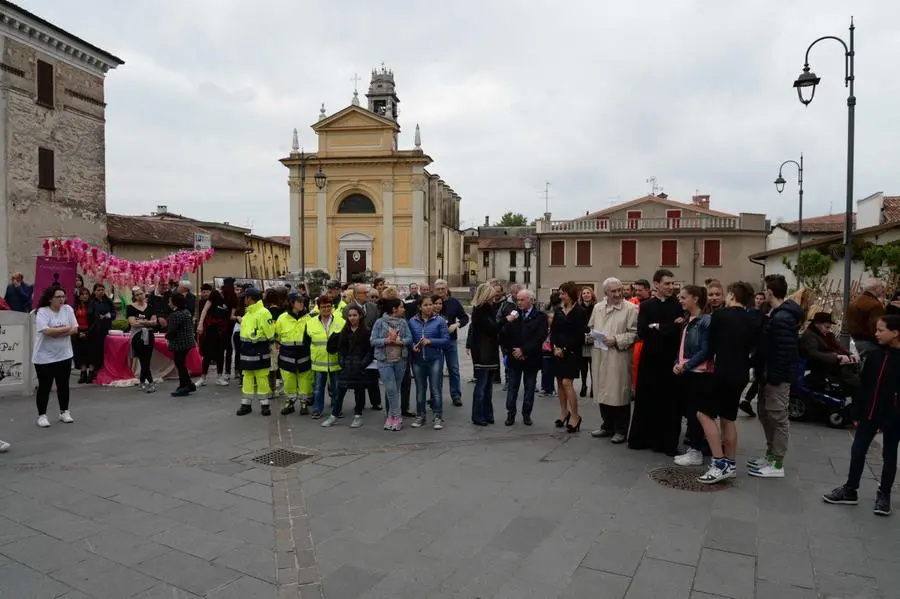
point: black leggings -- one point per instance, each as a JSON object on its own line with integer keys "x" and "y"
{"x": 213, "y": 351}
{"x": 865, "y": 432}
{"x": 143, "y": 353}
{"x": 229, "y": 349}
{"x": 359, "y": 396}
{"x": 184, "y": 377}
{"x": 58, "y": 372}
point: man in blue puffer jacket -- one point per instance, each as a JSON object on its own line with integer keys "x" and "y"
{"x": 779, "y": 352}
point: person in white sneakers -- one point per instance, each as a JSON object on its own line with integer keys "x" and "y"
{"x": 4, "y": 446}
{"x": 52, "y": 356}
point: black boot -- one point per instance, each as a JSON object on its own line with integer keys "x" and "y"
{"x": 244, "y": 409}
{"x": 83, "y": 378}
{"x": 583, "y": 389}
{"x": 265, "y": 410}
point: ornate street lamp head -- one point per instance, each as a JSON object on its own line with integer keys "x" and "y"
{"x": 320, "y": 178}
{"x": 806, "y": 79}
{"x": 529, "y": 243}
{"x": 779, "y": 183}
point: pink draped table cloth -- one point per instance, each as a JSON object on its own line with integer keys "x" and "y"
{"x": 121, "y": 370}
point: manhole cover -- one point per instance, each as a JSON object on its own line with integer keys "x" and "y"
{"x": 281, "y": 458}
{"x": 685, "y": 479}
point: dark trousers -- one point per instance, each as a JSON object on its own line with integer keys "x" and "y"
{"x": 374, "y": 391}
{"x": 229, "y": 350}
{"x": 483, "y": 396}
{"x": 653, "y": 407}
{"x": 406, "y": 388}
{"x": 143, "y": 353}
{"x": 585, "y": 370}
{"x": 359, "y": 396}
{"x": 862, "y": 440}
{"x": 213, "y": 351}
{"x": 236, "y": 343}
{"x": 615, "y": 418}
{"x": 514, "y": 379}
{"x": 691, "y": 391}
{"x": 547, "y": 379}
{"x": 184, "y": 377}
{"x": 55, "y": 372}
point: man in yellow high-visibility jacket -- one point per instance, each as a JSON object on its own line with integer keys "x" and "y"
{"x": 293, "y": 354}
{"x": 257, "y": 334}
{"x": 320, "y": 328}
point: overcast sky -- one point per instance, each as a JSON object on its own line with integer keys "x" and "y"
{"x": 594, "y": 97}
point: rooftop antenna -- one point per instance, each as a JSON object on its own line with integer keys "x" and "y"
{"x": 614, "y": 200}
{"x": 547, "y": 196}
{"x": 654, "y": 187}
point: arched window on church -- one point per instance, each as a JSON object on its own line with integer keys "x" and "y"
{"x": 356, "y": 204}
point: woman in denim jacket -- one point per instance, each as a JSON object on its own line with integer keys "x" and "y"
{"x": 391, "y": 340}
{"x": 694, "y": 369}
{"x": 430, "y": 336}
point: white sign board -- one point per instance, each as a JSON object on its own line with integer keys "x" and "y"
{"x": 13, "y": 355}
{"x": 202, "y": 242}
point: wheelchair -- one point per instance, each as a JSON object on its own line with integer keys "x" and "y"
{"x": 820, "y": 398}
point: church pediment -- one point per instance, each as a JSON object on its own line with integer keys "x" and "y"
{"x": 354, "y": 118}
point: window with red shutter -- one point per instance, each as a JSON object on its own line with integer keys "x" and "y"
{"x": 674, "y": 219}
{"x": 583, "y": 252}
{"x": 603, "y": 223}
{"x": 669, "y": 253}
{"x": 557, "y": 253}
{"x": 712, "y": 252}
{"x": 628, "y": 252}
{"x": 634, "y": 218}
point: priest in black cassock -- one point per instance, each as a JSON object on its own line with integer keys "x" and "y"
{"x": 659, "y": 326}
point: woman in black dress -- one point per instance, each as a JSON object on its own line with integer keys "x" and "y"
{"x": 567, "y": 338}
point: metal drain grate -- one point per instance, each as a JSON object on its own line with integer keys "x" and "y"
{"x": 282, "y": 458}
{"x": 684, "y": 479}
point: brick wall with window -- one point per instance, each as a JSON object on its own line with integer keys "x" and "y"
{"x": 46, "y": 169}
{"x": 557, "y": 253}
{"x": 45, "y": 84}
{"x": 712, "y": 252}
{"x": 628, "y": 252}
{"x": 512, "y": 257}
{"x": 668, "y": 252}
{"x": 583, "y": 252}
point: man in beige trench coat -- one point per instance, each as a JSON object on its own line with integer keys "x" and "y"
{"x": 616, "y": 320}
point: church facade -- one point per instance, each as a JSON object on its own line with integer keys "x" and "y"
{"x": 380, "y": 210}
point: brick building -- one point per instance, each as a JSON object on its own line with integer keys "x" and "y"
{"x": 52, "y": 120}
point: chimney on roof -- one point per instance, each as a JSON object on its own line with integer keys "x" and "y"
{"x": 487, "y": 221}
{"x": 162, "y": 209}
{"x": 663, "y": 195}
{"x": 701, "y": 201}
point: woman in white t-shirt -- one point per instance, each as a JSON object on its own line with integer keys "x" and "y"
{"x": 52, "y": 357}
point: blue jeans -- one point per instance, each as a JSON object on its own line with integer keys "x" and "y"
{"x": 513, "y": 380}
{"x": 482, "y": 399}
{"x": 547, "y": 374}
{"x": 451, "y": 355}
{"x": 429, "y": 376}
{"x": 322, "y": 379}
{"x": 392, "y": 377}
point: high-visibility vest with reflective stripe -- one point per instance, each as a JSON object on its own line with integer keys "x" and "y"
{"x": 293, "y": 354}
{"x": 257, "y": 334}
{"x": 322, "y": 361}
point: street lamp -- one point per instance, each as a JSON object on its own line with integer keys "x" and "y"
{"x": 320, "y": 179}
{"x": 529, "y": 243}
{"x": 809, "y": 80}
{"x": 779, "y": 185}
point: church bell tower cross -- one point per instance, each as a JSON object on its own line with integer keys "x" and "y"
{"x": 382, "y": 94}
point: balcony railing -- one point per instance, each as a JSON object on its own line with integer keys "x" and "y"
{"x": 625, "y": 225}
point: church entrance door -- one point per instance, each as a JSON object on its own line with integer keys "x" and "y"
{"x": 356, "y": 263}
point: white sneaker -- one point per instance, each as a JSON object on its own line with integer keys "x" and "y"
{"x": 142, "y": 387}
{"x": 222, "y": 382}
{"x": 767, "y": 471}
{"x": 330, "y": 421}
{"x": 4, "y": 446}
{"x": 692, "y": 457}
{"x": 201, "y": 382}
{"x": 719, "y": 470}
{"x": 43, "y": 421}
{"x": 438, "y": 424}
{"x": 151, "y": 388}
{"x": 357, "y": 421}
{"x": 66, "y": 417}
{"x": 418, "y": 422}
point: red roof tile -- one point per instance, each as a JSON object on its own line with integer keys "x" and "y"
{"x": 282, "y": 239}
{"x": 124, "y": 229}
{"x": 658, "y": 200}
{"x": 891, "y": 208}
{"x": 501, "y": 243}
{"x": 829, "y": 223}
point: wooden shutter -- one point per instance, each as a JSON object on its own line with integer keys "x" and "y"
{"x": 628, "y": 252}
{"x": 46, "y": 169}
{"x": 712, "y": 252}
{"x": 634, "y": 218}
{"x": 669, "y": 252}
{"x": 512, "y": 257}
{"x": 557, "y": 253}
{"x": 45, "y": 84}
{"x": 673, "y": 218}
{"x": 583, "y": 252}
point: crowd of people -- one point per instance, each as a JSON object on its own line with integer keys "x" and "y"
{"x": 650, "y": 355}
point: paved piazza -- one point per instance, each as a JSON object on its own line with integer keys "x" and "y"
{"x": 156, "y": 497}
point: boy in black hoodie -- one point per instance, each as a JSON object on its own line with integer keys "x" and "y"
{"x": 879, "y": 409}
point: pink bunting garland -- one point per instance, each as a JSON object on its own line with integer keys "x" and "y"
{"x": 105, "y": 267}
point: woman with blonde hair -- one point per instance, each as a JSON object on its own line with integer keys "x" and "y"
{"x": 484, "y": 346}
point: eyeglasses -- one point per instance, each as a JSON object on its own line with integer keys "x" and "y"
{"x": 59, "y": 297}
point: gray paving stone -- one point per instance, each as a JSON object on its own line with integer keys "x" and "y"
{"x": 65, "y": 527}
{"x": 254, "y": 491}
{"x": 194, "y": 541}
{"x": 73, "y": 594}
{"x": 840, "y": 554}
{"x": 775, "y": 590}
{"x": 349, "y": 582}
{"x": 12, "y": 531}
{"x": 121, "y": 547}
{"x": 19, "y": 582}
{"x": 841, "y": 584}
{"x": 595, "y": 584}
{"x": 523, "y": 534}
{"x": 43, "y": 553}
{"x": 617, "y": 552}
{"x": 257, "y": 561}
{"x": 729, "y": 534}
{"x": 676, "y": 544}
{"x": 250, "y": 531}
{"x": 104, "y": 579}
{"x": 784, "y": 564}
{"x": 661, "y": 580}
{"x": 165, "y": 591}
{"x": 188, "y": 572}
{"x": 148, "y": 501}
{"x": 249, "y": 509}
{"x": 244, "y": 588}
{"x": 699, "y": 595}
{"x": 729, "y": 574}
{"x": 137, "y": 522}
{"x": 204, "y": 518}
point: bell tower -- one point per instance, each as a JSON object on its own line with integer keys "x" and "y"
{"x": 382, "y": 96}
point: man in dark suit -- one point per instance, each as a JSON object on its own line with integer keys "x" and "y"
{"x": 522, "y": 335}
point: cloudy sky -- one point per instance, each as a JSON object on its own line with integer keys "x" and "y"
{"x": 594, "y": 97}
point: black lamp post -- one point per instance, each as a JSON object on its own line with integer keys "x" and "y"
{"x": 320, "y": 184}
{"x": 808, "y": 79}
{"x": 779, "y": 185}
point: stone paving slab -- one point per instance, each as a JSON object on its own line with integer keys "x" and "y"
{"x": 156, "y": 497}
